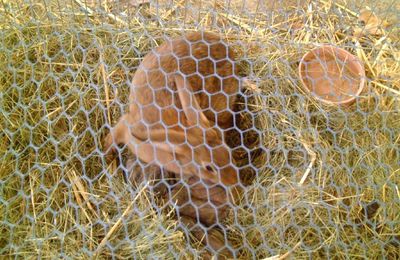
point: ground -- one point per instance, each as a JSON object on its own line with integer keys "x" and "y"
{"x": 327, "y": 178}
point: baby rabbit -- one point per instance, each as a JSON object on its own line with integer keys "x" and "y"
{"x": 180, "y": 100}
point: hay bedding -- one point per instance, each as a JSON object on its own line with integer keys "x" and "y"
{"x": 327, "y": 182}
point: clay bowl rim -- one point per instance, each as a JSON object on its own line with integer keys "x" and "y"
{"x": 340, "y": 54}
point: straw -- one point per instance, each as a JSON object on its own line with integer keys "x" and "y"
{"x": 317, "y": 166}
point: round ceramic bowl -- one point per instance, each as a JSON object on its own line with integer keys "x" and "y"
{"x": 332, "y": 75}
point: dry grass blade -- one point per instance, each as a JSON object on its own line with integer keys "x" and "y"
{"x": 110, "y": 15}
{"x": 285, "y": 255}
{"x": 342, "y": 7}
{"x": 397, "y": 92}
{"x": 81, "y": 194}
{"x": 118, "y": 223}
{"x": 238, "y": 22}
{"x": 313, "y": 156}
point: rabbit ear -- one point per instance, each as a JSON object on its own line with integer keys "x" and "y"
{"x": 158, "y": 139}
{"x": 162, "y": 135}
{"x": 159, "y": 153}
{"x": 190, "y": 106}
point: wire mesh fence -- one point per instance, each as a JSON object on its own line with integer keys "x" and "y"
{"x": 182, "y": 129}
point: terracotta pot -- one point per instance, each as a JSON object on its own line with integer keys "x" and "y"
{"x": 332, "y": 75}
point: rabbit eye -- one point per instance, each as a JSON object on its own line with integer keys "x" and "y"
{"x": 210, "y": 168}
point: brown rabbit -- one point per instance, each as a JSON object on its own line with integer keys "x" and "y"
{"x": 201, "y": 209}
{"x": 181, "y": 98}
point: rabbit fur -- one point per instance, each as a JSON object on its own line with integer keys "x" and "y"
{"x": 181, "y": 100}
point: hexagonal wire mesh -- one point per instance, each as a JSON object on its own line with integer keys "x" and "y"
{"x": 208, "y": 163}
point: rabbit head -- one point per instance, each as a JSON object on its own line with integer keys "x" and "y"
{"x": 210, "y": 161}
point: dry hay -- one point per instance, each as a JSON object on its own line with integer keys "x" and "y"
{"x": 328, "y": 178}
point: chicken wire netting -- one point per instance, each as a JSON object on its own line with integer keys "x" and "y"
{"x": 313, "y": 179}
